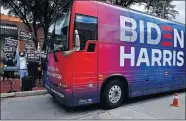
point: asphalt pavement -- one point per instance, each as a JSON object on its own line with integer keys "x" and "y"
{"x": 44, "y": 107}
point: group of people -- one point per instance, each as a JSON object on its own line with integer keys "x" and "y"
{"x": 33, "y": 69}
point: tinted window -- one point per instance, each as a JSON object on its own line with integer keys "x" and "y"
{"x": 87, "y": 29}
{"x": 58, "y": 30}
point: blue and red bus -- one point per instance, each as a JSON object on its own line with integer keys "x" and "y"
{"x": 102, "y": 53}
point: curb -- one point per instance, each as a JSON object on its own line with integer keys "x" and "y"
{"x": 23, "y": 94}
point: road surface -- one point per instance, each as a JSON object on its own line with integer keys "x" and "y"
{"x": 44, "y": 107}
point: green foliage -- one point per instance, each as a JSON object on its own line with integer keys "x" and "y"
{"x": 163, "y": 9}
{"x": 34, "y": 13}
{"x": 160, "y": 8}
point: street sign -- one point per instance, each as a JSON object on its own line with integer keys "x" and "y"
{"x": 10, "y": 46}
{"x": 29, "y": 47}
{"x": 10, "y": 54}
{"x": 43, "y": 54}
{"x": 33, "y": 57}
{"x": 27, "y": 36}
{"x": 11, "y": 42}
{"x": 29, "y": 51}
{"x": 8, "y": 49}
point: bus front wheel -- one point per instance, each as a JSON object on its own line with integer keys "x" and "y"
{"x": 113, "y": 94}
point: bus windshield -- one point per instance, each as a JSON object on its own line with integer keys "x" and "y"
{"x": 59, "y": 30}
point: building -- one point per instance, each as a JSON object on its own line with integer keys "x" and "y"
{"x": 10, "y": 28}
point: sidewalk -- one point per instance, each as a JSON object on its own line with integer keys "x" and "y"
{"x": 5, "y": 87}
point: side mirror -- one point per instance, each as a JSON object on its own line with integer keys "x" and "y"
{"x": 77, "y": 40}
{"x": 76, "y": 44}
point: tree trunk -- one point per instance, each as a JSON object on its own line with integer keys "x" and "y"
{"x": 35, "y": 34}
{"x": 45, "y": 39}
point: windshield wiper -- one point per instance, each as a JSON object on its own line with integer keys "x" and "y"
{"x": 55, "y": 57}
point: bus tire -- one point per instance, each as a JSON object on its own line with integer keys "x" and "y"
{"x": 113, "y": 94}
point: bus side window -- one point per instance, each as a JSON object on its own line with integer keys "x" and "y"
{"x": 87, "y": 29}
{"x": 91, "y": 47}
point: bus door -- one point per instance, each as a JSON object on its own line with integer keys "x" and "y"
{"x": 85, "y": 61}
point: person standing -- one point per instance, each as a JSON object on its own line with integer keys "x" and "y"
{"x": 33, "y": 71}
{"x": 39, "y": 73}
{"x": 14, "y": 59}
{"x": 5, "y": 75}
{"x": 10, "y": 63}
{"x": 43, "y": 64}
{"x": 23, "y": 67}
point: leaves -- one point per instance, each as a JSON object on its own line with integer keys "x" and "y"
{"x": 159, "y": 8}
{"x": 162, "y": 9}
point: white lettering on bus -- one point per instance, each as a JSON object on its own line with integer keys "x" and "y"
{"x": 158, "y": 56}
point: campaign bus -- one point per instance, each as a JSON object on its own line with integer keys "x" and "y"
{"x": 103, "y": 53}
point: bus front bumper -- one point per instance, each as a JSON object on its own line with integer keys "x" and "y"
{"x": 64, "y": 96}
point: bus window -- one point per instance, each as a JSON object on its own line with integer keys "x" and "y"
{"x": 87, "y": 29}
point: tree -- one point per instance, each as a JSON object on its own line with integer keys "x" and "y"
{"x": 125, "y": 3}
{"x": 159, "y": 8}
{"x": 35, "y": 13}
{"x": 162, "y": 9}
{"x": 26, "y": 10}
{"x": 47, "y": 11}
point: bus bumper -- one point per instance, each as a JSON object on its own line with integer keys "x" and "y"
{"x": 64, "y": 96}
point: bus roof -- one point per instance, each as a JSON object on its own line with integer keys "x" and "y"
{"x": 146, "y": 14}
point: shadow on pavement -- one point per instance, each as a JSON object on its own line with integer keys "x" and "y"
{"x": 152, "y": 97}
{"x": 94, "y": 107}
{"x": 84, "y": 108}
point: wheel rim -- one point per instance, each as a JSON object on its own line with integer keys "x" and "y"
{"x": 115, "y": 94}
